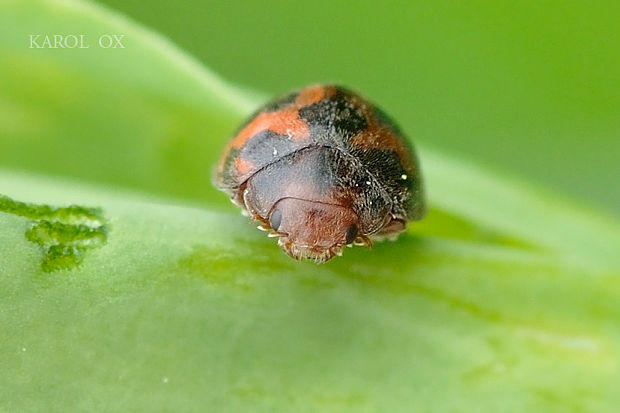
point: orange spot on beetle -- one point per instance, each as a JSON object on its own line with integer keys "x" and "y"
{"x": 313, "y": 94}
{"x": 284, "y": 122}
{"x": 243, "y": 166}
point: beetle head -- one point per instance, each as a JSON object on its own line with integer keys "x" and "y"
{"x": 314, "y": 230}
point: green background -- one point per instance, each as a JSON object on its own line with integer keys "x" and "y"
{"x": 531, "y": 87}
{"x": 504, "y": 298}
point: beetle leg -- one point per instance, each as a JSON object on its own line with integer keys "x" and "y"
{"x": 390, "y": 231}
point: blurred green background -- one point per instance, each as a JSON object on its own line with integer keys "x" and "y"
{"x": 503, "y": 299}
{"x": 531, "y": 87}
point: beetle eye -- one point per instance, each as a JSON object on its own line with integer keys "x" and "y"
{"x": 275, "y": 219}
{"x": 351, "y": 234}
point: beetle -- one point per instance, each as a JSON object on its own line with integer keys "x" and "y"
{"x": 321, "y": 168}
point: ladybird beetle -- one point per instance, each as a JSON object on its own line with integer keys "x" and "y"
{"x": 321, "y": 168}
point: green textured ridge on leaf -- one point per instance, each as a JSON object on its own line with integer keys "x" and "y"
{"x": 65, "y": 233}
{"x": 503, "y": 298}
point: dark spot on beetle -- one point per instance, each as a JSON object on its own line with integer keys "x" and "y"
{"x": 275, "y": 219}
{"x": 266, "y": 147}
{"x": 312, "y": 168}
{"x": 362, "y": 192}
{"x": 323, "y": 174}
{"x": 351, "y": 234}
{"x": 386, "y": 167}
{"x": 227, "y": 178}
{"x": 337, "y": 114}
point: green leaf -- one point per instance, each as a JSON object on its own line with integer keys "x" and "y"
{"x": 503, "y": 299}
